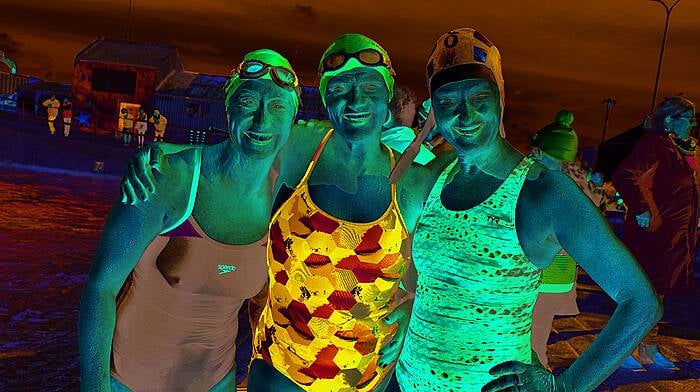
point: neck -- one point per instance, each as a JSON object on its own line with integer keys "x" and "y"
{"x": 229, "y": 164}
{"x": 360, "y": 153}
{"x": 496, "y": 159}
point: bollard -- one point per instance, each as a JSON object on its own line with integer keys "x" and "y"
{"x": 98, "y": 166}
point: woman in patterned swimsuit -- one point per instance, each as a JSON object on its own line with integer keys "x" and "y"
{"x": 339, "y": 234}
{"x": 335, "y": 245}
{"x": 493, "y": 220}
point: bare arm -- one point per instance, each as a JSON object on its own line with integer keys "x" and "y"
{"x": 256, "y": 305}
{"x": 128, "y": 232}
{"x": 585, "y": 235}
{"x": 409, "y": 279}
{"x": 296, "y": 155}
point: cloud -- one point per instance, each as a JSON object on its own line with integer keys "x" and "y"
{"x": 306, "y": 10}
{"x": 197, "y": 48}
{"x": 9, "y": 45}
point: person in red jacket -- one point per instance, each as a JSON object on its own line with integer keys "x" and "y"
{"x": 67, "y": 112}
{"x": 657, "y": 182}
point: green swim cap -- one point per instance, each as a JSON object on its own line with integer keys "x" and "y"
{"x": 269, "y": 57}
{"x": 353, "y": 43}
{"x": 558, "y": 139}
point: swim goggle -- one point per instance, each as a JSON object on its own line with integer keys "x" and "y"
{"x": 369, "y": 57}
{"x": 255, "y": 69}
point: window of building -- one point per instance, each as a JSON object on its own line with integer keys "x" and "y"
{"x": 193, "y": 109}
{"x": 111, "y": 81}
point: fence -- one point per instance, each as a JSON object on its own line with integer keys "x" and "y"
{"x": 31, "y": 117}
{"x": 9, "y": 83}
{"x": 26, "y": 139}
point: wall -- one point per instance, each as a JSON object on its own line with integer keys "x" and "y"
{"x": 106, "y": 105}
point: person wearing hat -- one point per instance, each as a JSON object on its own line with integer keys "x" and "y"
{"x": 554, "y": 146}
{"x": 159, "y": 122}
{"x": 491, "y": 223}
{"x": 141, "y": 126}
{"x": 126, "y": 122}
{"x": 557, "y": 142}
{"x": 159, "y": 310}
{"x": 52, "y": 105}
{"x": 67, "y": 113}
{"x": 333, "y": 321}
{"x": 657, "y": 182}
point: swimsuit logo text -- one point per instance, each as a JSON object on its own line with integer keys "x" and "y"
{"x": 493, "y": 219}
{"x": 225, "y": 269}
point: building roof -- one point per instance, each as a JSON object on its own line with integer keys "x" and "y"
{"x": 48, "y": 87}
{"x": 194, "y": 85}
{"x": 117, "y": 51}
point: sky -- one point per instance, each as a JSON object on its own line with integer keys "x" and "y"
{"x": 556, "y": 54}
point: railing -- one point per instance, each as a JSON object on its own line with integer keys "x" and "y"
{"x": 32, "y": 118}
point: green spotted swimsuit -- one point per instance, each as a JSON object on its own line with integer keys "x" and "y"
{"x": 475, "y": 294}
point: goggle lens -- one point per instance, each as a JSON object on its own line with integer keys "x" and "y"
{"x": 370, "y": 57}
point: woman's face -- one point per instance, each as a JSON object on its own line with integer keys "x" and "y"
{"x": 357, "y": 102}
{"x": 467, "y": 113}
{"x": 682, "y": 124}
{"x": 261, "y": 114}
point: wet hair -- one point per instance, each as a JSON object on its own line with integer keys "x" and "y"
{"x": 672, "y": 106}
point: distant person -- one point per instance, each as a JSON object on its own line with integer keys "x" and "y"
{"x": 554, "y": 146}
{"x": 141, "y": 126}
{"x": 657, "y": 183}
{"x": 398, "y": 133}
{"x": 403, "y": 106}
{"x": 52, "y": 105}
{"x": 67, "y": 112}
{"x": 127, "y": 127}
{"x": 159, "y": 122}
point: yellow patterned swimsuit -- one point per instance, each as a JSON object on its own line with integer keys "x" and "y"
{"x": 331, "y": 283}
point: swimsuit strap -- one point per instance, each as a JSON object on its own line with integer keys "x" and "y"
{"x": 193, "y": 191}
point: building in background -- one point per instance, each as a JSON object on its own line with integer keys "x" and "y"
{"x": 109, "y": 73}
{"x": 192, "y": 101}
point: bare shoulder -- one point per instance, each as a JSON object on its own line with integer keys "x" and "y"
{"x": 412, "y": 190}
{"x": 549, "y": 189}
{"x": 296, "y": 154}
{"x": 174, "y": 182}
{"x": 307, "y": 134}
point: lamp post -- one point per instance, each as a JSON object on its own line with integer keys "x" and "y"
{"x": 663, "y": 48}
{"x": 609, "y": 104}
{"x": 128, "y": 21}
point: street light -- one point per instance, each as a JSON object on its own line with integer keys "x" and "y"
{"x": 609, "y": 104}
{"x": 663, "y": 47}
{"x": 128, "y": 21}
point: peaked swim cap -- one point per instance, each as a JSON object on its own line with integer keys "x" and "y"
{"x": 464, "y": 54}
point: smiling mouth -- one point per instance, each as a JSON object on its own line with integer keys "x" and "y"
{"x": 467, "y": 131}
{"x": 356, "y": 117}
{"x": 259, "y": 138}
